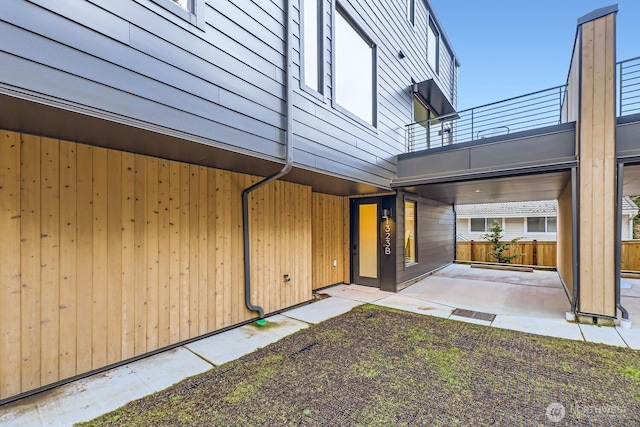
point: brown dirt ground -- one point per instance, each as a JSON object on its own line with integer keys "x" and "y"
{"x": 382, "y": 367}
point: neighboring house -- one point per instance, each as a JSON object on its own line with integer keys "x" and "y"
{"x": 535, "y": 220}
{"x": 129, "y": 130}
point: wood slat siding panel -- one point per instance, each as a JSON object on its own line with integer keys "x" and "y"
{"x": 128, "y": 255}
{"x": 49, "y": 250}
{"x": 328, "y": 237}
{"x": 10, "y": 264}
{"x": 30, "y": 261}
{"x": 107, "y": 255}
{"x": 565, "y": 237}
{"x": 68, "y": 256}
{"x": 597, "y": 168}
{"x": 114, "y": 256}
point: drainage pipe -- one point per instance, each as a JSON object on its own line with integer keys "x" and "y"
{"x": 575, "y": 229}
{"x": 619, "y": 189}
{"x": 285, "y": 170}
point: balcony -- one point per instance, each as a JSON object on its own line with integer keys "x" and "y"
{"x": 523, "y": 113}
{"x": 628, "y": 86}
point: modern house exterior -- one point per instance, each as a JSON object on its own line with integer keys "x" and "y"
{"x": 532, "y": 220}
{"x": 170, "y": 169}
{"x": 135, "y": 138}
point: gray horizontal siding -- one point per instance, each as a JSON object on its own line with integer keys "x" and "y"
{"x": 435, "y": 237}
{"x": 222, "y": 81}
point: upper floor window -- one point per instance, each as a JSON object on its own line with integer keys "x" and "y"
{"x": 185, "y": 4}
{"x": 411, "y": 11}
{"x": 312, "y": 44}
{"x": 541, "y": 224}
{"x": 354, "y": 69}
{"x": 483, "y": 225}
{"x": 191, "y": 11}
{"x": 433, "y": 46}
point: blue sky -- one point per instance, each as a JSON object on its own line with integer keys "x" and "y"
{"x": 512, "y": 47}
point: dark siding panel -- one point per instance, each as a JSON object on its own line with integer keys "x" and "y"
{"x": 435, "y": 239}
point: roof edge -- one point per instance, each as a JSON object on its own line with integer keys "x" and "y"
{"x": 598, "y": 13}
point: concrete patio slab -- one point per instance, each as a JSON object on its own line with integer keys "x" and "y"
{"x": 88, "y": 398}
{"x": 230, "y": 345}
{"x": 630, "y": 336}
{"x": 356, "y": 292}
{"x": 415, "y": 305}
{"x": 602, "y": 334}
{"x": 323, "y": 309}
{"x": 492, "y": 297}
{"x": 552, "y": 327}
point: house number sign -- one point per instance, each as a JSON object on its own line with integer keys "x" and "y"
{"x": 387, "y": 238}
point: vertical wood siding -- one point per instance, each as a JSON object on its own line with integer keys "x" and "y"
{"x": 330, "y": 232}
{"x": 106, "y": 255}
{"x": 597, "y": 168}
{"x": 565, "y": 237}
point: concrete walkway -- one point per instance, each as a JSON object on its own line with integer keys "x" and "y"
{"x": 529, "y": 302}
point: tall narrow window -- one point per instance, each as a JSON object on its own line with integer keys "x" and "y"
{"x": 411, "y": 11}
{"x": 433, "y": 46}
{"x": 312, "y": 47}
{"x": 410, "y": 232}
{"x": 353, "y": 69}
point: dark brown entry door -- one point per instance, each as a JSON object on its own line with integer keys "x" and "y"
{"x": 365, "y": 241}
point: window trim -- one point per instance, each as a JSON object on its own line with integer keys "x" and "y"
{"x": 411, "y": 12}
{"x": 486, "y": 230}
{"x": 195, "y": 16}
{"x": 406, "y": 200}
{"x": 320, "y": 93}
{"x": 339, "y": 8}
{"x": 546, "y": 225}
{"x": 431, "y": 24}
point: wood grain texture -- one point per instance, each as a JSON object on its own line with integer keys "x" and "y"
{"x": 597, "y": 168}
{"x": 107, "y": 255}
{"x": 329, "y": 236}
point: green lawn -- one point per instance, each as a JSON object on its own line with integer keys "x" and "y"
{"x": 382, "y": 367}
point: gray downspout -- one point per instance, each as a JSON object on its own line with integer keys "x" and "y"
{"x": 619, "y": 189}
{"x": 285, "y": 170}
{"x": 575, "y": 229}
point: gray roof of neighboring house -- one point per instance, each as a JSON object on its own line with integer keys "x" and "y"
{"x": 522, "y": 209}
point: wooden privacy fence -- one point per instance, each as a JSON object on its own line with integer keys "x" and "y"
{"x": 540, "y": 253}
{"x": 630, "y": 256}
{"x": 533, "y": 253}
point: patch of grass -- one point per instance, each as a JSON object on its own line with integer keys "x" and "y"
{"x": 378, "y": 366}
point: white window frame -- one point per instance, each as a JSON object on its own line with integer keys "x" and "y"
{"x": 194, "y": 14}
{"x": 546, "y": 225}
{"x": 339, "y": 9}
{"x": 319, "y": 92}
{"x": 415, "y": 229}
{"x": 486, "y": 229}
{"x": 433, "y": 28}
{"x": 411, "y": 12}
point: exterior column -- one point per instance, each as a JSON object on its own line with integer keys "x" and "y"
{"x": 596, "y": 147}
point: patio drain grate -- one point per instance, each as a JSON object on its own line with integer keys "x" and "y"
{"x": 474, "y": 314}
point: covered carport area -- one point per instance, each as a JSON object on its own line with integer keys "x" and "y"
{"x": 628, "y": 165}
{"x": 526, "y": 166}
